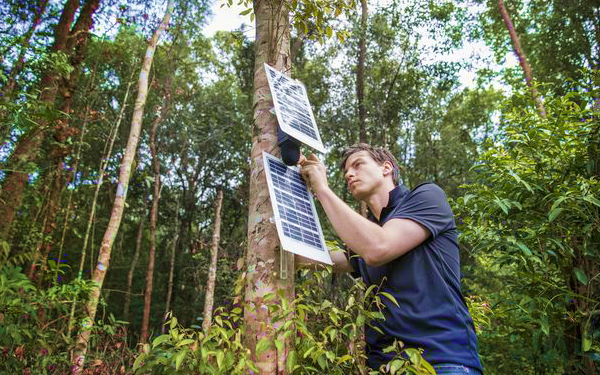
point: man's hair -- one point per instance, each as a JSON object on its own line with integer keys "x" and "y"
{"x": 380, "y": 155}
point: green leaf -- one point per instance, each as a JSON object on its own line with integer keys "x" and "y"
{"x": 592, "y": 200}
{"x": 501, "y": 205}
{"x": 524, "y": 248}
{"x": 586, "y": 343}
{"x": 279, "y": 345}
{"x": 263, "y": 345}
{"x": 179, "y": 358}
{"x": 332, "y": 334}
{"x": 554, "y": 213}
{"x": 581, "y": 276}
{"x": 184, "y": 342}
{"x": 159, "y": 340}
{"x": 390, "y": 297}
{"x": 290, "y": 362}
{"x": 428, "y": 367}
{"x": 395, "y": 366}
{"x": 368, "y": 291}
{"x": 138, "y": 361}
{"x": 253, "y": 367}
{"x": 321, "y": 362}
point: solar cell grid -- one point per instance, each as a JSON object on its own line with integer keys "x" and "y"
{"x": 293, "y": 110}
{"x": 296, "y": 218}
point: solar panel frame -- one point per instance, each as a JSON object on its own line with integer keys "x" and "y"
{"x": 295, "y": 213}
{"x": 292, "y": 108}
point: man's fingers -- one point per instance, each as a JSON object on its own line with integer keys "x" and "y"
{"x": 313, "y": 157}
{"x": 301, "y": 159}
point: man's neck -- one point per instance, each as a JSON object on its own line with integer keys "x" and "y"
{"x": 378, "y": 200}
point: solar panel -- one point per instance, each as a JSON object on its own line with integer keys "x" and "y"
{"x": 295, "y": 214}
{"x": 292, "y": 108}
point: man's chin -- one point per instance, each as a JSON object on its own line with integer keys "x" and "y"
{"x": 358, "y": 195}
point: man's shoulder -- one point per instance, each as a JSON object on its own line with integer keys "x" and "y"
{"x": 428, "y": 186}
{"x": 426, "y": 191}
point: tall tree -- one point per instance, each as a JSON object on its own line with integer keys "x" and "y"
{"x": 119, "y": 203}
{"x": 264, "y": 250}
{"x": 558, "y": 37}
{"x": 212, "y": 269}
{"x": 69, "y": 43}
{"x": 134, "y": 261}
{"x": 522, "y": 59}
{"x": 154, "y": 211}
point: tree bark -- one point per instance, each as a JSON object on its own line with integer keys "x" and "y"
{"x": 172, "y": 262}
{"x": 99, "y": 274}
{"x": 360, "y": 83}
{"x": 134, "y": 261}
{"x": 360, "y": 73}
{"x": 153, "y": 215}
{"x": 522, "y": 59}
{"x": 212, "y": 270}
{"x": 264, "y": 250}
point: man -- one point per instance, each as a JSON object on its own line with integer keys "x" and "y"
{"x": 408, "y": 247}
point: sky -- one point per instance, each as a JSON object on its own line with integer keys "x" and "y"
{"x": 228, "y": 19}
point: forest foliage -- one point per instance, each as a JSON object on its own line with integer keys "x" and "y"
{"x": 524, "y": 185}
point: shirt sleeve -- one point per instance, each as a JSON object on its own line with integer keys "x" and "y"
{"x": 427, "y": 205}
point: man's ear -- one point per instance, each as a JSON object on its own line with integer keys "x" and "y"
{"x": 388, "y": 168}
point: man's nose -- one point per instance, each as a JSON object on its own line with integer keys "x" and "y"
{"x": 349, "y": 174}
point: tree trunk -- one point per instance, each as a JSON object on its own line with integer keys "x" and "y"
{"x": 360, "y": 73}
{"x": 522, "y": 59}
{"x": 153, "y": 215}
{"x": 360, "y": 83}
{"x": 172, "y": 263}
{"x": 264, "y": 250}
{"x": 212, "y": 270}
{"x": 28, "y": 146}
{"x": 81, "y": 345}
{"x": 134, "y": 261}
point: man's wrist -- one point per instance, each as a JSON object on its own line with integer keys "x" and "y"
{"x": 319, "y": 193}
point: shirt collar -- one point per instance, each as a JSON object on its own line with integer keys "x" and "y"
{"x": 395, "y": 196}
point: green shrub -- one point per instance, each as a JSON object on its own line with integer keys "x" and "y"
{"x": 326, "y": 338}
{"x": 35, "y": 335}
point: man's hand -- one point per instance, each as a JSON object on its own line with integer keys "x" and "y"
{"x": 314, "y": 173}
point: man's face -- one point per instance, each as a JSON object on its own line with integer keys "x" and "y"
{"x": 363, "y": 174}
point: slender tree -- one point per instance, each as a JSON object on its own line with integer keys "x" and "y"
{"x": 522, "y": 59}
{"x": 264, "y": 250}
{"x": 153, "y": 212}
{"x": 212, "y": 270}
{"x": 134, "y": 261}
{"x": 360, "y": 82}
{"x": 99, "y": 274}
{"x": 172, "y": 261}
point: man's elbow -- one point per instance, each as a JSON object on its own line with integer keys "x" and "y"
{"x": 377, "y": 256}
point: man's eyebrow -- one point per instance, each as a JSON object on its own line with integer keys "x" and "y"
{"x": 358, "y": 158}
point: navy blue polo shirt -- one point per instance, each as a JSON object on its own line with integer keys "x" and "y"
{"x": 426, "y": 284}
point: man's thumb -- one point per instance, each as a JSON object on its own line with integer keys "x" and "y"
{"x": 313, "y": 157}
